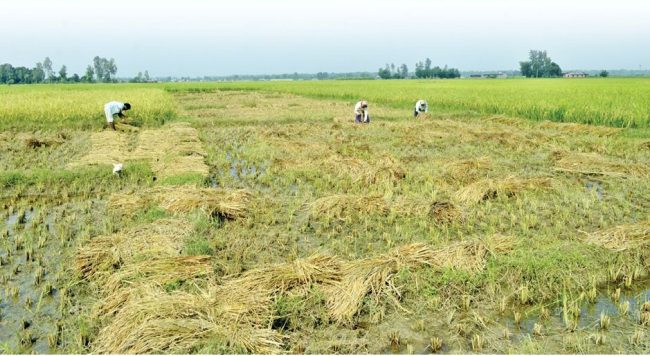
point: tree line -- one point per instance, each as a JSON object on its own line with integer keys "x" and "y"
{"x": 101, "y": 70}
{"x": 422, "y": 70}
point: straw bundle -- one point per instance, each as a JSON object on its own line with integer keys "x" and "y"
{"x": 300, "y": 274}
{"x": 490, "y": 188}
{"x": 622, "y": 237}
{"x": 581, "y": 128}
{"x": 373, "y": 276}
{"x": 106, "y": 147}
{"x": 164, "y": 238}
{"x": 180, "y": 322}
{"x": 184, "y": 199}
{"x": 466, "y": 169}
{"x": 159, "y": 271}
{"x": 341, "y": 206}
{"x": 127, "y": 204}
{"x": 172, "y": 150}
{"x": 592, "y": 163}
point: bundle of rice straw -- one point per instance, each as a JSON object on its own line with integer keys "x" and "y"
{"x": 342, "y": 206}
{"x": 581, "y": 128}
{"x": 160, "y": 271}
{"x": 466, "y": 169}
{"x": 184, "y": 199}
{"x": 491, "y": 188}
{"x": 103, "y": 254}
{"x": 622, "y": 237}
{"x": 592, "y": 163}
{"x": 127, "y": 204}
{"x": 300, "y": 274}
{"x": 106, "y": 147}
{"x": 180, "y": 322}
{"x": 374, "y": 275}
{"x": 174, "y": 149}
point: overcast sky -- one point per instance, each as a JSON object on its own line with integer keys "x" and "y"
{"x": 201, "y": 37}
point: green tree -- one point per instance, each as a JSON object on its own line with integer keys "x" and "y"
{"x": 604, "y": 74}
{"x": 540, "y": 65}
{"x": 384, "y": 73}
{"x": 47, "y": 67}
{"x": 88, "y": 77}
{"x": 146, "y": 76}
{"x": 38, "y": 74}
{"x": 63, "y": 73}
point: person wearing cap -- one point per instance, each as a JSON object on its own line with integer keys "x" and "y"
{"x": 115, "y": 108}
{"x": 361, "y": 112}
{"x": 420, "y": 107}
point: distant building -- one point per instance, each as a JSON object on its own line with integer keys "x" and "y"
{"x": 489, "y": 75}
{"x": 576, "y": 75}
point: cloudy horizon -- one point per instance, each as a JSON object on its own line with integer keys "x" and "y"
{"x": 205, "y": 38}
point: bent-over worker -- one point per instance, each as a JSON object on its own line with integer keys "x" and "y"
{"x": 115, "y": 108}
{"x": 361, "y": 112}
{"x": 420, "y": 107}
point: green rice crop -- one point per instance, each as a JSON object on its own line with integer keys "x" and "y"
{"x": 617, "y": 102}
{"x": 79, "y": 106}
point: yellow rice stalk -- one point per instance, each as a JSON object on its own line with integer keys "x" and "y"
{"x": 172, "y": 150}
{"x": 106, "y": 147}
{"x": 443, "y": 212}
{"x": 491, "y": 188}
{"x": 127, "y": 204}
{"x": 300, "y": 274}
{"x": 159, "y": 271}
{"x": 592, "y": 163}
{"x": 466, "y": 169}
{"x": 184, "y": 199}
{"x": 622, "y": 237}
{"x": 581, "y": 128}
{"x": 179, "y": 322}
{"x": 341, "y": 206}
{"x": 373, "y": 276}
{"x": 102, "y": 254}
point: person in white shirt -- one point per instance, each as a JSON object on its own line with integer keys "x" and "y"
{"x": 361, "y": 112}
{"x": 420, "y": 107}
{"x": 115, "y": 108}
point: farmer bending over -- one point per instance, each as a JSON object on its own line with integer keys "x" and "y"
{"x": 361, "y": 112}
{"x": 420, "y": 107}
{"x": 115, "y": 108}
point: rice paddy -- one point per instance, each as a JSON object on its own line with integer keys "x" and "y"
{"x": 264, "y": 221}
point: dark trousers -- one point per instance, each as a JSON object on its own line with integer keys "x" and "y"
{"x": 358, "y": 119}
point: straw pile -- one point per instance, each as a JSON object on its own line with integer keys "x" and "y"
{"x": 490, "y": 188}
{"x": 592, "y": 163}
{"x": 342, "y": 206}
{"x": 180, "y": 322}
{"x": 127, "y": 204}
{"x": 466, "y": 169}
{"x": 106, "y": 147}
{"x": 103, "y": 254}
{"x": 444, "y": 212}
{"x": 172, "y": 150}
{"x": 373, "y": 276}
{"x": 238, "y": 312}
{"x": 622, "y": 237}
{"x": 581, "y": 128}
{"x": 184, "y": 199}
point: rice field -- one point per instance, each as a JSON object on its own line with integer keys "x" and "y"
{"x": 258, "y": 218}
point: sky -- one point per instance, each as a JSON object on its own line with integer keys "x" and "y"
{"x": 202, "y": 37}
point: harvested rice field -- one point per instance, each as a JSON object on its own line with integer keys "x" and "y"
{"x": 255, "y": 218}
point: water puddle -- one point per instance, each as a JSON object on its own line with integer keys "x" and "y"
{"x": 595, "y": 186}
{"x": 32, "y": 269}
{"x": 241, "y": 169}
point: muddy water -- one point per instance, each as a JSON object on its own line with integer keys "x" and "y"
{"x": 33, "y": 251}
